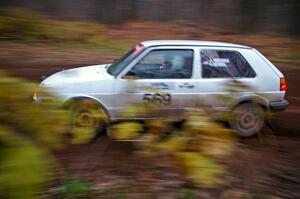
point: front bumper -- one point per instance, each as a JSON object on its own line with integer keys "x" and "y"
{"x": 279, "y": 105}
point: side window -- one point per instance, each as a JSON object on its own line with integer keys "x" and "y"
{"x": 165, "y": 64}
{"x": 225, "y": 64}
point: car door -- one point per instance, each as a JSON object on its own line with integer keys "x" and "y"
{"x": 161, "y": 76}
{"x": 219, "y": 67}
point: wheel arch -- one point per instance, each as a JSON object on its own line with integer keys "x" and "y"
{"x": 254, "y": 99}
{"x": 71, "y": 100}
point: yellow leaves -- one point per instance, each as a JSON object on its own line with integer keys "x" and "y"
{"x": 46, "y": 121}
{"x": 26, "y": 130}
{"x": 126, "y": 131}
{"x": 196, "y": 122}
{"x": 171, "y": 145}
{"x": 201, "y": 170}
{"x": 82, "y": 135}
{"x": 134, "y": 111}
{"x": 24, "y": 166}
{"x": 197, "y": 145}
{"x": 157, "y": 126}
{"x": 141, "y": 110}
{"x": 210, "y": 138}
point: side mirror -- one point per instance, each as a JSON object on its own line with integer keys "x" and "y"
{"x": 43, "y": 77}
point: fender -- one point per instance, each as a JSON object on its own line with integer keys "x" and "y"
{"x": 68, "y": 101}
{"x": 254, "y": 98}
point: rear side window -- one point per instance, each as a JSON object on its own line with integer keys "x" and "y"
{"x": 225, "y": 64}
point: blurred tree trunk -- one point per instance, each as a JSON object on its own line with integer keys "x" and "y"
{"x": 294, "y": 27}
{"x": 250, "y": 13}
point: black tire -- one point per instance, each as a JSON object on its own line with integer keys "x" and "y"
{"x": 89, "y": 119}
{"x": 248, "y": 119}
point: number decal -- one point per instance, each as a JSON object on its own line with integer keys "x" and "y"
{"x": 167, "y": 99}
{"x": 157, "y": 99}
{"x": 147, "y": 98}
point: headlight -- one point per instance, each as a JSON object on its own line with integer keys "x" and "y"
{"x": 34, "y": 96}
{"x": 39, "y": 96}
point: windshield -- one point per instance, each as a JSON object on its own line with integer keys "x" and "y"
{"x": 116, "y": 67}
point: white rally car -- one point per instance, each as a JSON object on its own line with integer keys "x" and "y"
{"x": 181, "y": 74}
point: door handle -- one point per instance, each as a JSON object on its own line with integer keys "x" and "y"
{"x": 186, "y": 85}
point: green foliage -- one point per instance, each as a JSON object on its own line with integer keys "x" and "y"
{"x": 46, "y": 122}
{"x": 21, "y": 24}
{"x": 186, "y": 194}
{"x": 295, "y": 54}
{"x": 26, "y": 25}
{"x": 27, "y": 130}
{"x": 73, "y": 187}
{"x": 24, "y": 166}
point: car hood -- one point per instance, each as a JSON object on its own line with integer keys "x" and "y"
{"x": 82, "y": 74}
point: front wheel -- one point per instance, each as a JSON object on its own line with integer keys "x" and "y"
{"x": 248, "y": 119}
{"x": 88, "y": 118}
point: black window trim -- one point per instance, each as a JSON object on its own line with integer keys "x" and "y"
{"x": 231, "y": 50}
{"x": 166, "y": 48}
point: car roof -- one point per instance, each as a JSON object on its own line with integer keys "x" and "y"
{"x": 190, "y": 43}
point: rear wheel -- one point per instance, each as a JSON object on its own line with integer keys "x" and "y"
{"x": 248, "y": 119}
{"x": 88, "y": 120}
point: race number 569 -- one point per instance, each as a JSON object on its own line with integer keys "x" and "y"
{"x": 157, "y": 98}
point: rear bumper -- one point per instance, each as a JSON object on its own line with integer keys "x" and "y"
{"x": 279, "y": 105}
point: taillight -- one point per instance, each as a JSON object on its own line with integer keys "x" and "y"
{"x": 283, "y": 85}
{"x": 138, "y": 48}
